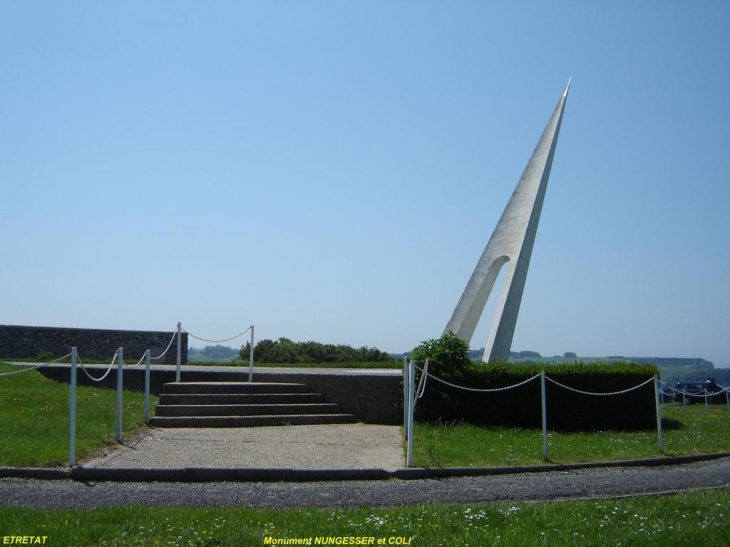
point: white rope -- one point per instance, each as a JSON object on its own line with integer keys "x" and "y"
{"x": 217, "y": 341}
{"x": 35, "y": 367}
{"x": 493, "y": 390}
{"x": 705, "y": 394}
{"x": 422, "y": 382}
{"x": 421, "y": 386}
{"x": 138, "y": 362}
{"x": 105, "y": 374}
{"x": 669, "y": 390}
{"x": 600, "y": 394}
{"x": 166, "y": 349}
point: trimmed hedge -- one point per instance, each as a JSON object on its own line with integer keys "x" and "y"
{"x": 566, "y": 410}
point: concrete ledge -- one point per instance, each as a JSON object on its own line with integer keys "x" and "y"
{"x": 203, "y": 474}
{"x": 449, "y": 472}
{"x": 373, "y": 398}
{"x": 42, "y": 473}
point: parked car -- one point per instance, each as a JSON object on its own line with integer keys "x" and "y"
{"x": 687, "y": 392}
{"x": 696, "y": 392}
{"x": 721, "y": 392}
{"x": 666, "y": 392}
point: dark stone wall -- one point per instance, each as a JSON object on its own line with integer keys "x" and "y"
{"x": 373, "y": 398}
{"x": 21, "y": 342}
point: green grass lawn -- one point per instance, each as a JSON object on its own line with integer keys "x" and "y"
{"x": 687, "y": 430}
{"x": 34, "y": 431}
{"x": 697, "y": 519}
{"x": 34, "y": 419}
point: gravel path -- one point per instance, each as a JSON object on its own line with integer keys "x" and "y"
{"x": 584, "y": 484}
{"x": 338, "y": 446}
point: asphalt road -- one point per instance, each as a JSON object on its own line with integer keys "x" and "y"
{"x": 545, "y": 486}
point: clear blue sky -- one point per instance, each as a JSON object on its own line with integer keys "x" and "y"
{"x": 332, "y": 171}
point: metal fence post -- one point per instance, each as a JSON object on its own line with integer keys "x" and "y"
{"x": 405, "y": 398}
{"x": 250, "y": 358}
{"x": 147, "y": 387}
{"x": 179, "y": 351}
{"x": 120, "y": 365}
{"x": 411, "y": 394}
{"x": 658, "y": 414}
{"x": 72, "y": 412}
{"x": 544, "y": 417}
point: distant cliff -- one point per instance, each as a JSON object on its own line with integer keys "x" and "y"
{"x": 686, "y": 363}
{"x": 690, "y": 363}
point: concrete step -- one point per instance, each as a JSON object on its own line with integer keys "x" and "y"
{"x": 240, "y": 388}
{"x": 247, "y": 410}
{"x": 244, "y": 404}
{"x": 239, "y": 399}
{"x": 251, "y": 421}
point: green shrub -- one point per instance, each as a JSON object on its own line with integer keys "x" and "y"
{"x": 45, "y": 356}
{"x": 448, "y": 357}
{"x": 566, "y": 410}
{"x": 284, "y": 350}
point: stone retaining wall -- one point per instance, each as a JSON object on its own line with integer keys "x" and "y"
{"x": 373, "y": 398}
{"x": 22, "y": 342}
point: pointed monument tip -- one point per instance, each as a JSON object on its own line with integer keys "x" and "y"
{"x": 565, "y": 93}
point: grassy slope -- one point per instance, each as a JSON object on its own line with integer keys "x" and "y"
{"x": 34, "y": 419}
{"x": 34, "y": 431}
{"x": 687, "y": 430}
{"x": 698, "y": 519}
{"x": 34, "y": 425}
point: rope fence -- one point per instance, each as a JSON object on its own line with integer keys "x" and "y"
{"x": 667, "y": 390}
{"x": 161, "y": 355}
{"x": 119, "y": 360}
{"x": 180, "y": 330}
{"x": 475, "y": 390}
{"x": 422, "y": 383}
{"x": 36, "y": 367}
{"x": 138, "y": 362}
{"x": 217, "y": 341}
{"x": 415, "y": 390}
{"x": 705, "y": 393}
{"x": 608, "y": 394}
{"x": 88, "y": 374}
{"x": 75, "y": 363}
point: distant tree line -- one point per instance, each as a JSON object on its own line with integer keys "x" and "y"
{"x": 284, "y": 350}
{"x": 212, "y": 353}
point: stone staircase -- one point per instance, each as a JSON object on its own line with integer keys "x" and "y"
{"x": 243, "y": 404}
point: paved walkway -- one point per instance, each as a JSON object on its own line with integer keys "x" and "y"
{"x": 342, "y": 446}
{"x": 560, "y": 485}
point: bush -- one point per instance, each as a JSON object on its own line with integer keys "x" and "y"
{"x": 448, "y": 357}
{"x": 284, "y": 350}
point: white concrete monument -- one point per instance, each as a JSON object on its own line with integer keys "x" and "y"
{"x": 512, "y": 243}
